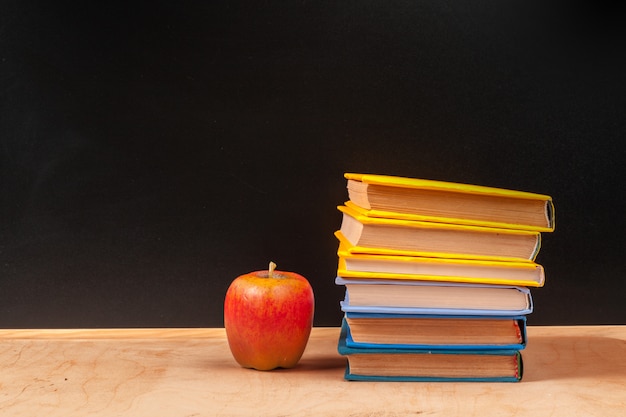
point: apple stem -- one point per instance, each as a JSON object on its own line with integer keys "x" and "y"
{"x": 271, "y": 269}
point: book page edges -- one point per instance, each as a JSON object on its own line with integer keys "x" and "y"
{"x": 347, "y": 351}
{"x": 372, "y": 213}
{"x": 385, "y": 251}
{"x": 344, "y": 252}
{"x": 408, "y": 277}
{"x": 403, "y": 182}
{"x": 520, "y": 326}
{"x": 346, "y": 305}
{"x": 359, "y": 214}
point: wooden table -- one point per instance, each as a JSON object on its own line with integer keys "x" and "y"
{"x": 569, "y": 371}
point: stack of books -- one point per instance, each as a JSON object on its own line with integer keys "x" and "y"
{"x": 437, "y": 278}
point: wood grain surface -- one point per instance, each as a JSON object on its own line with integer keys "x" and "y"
{"x": 569, "y": 371}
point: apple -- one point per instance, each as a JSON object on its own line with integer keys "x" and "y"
{"x": 268, "y": 317}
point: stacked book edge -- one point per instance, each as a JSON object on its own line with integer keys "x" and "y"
{"x": 437, "y": 278}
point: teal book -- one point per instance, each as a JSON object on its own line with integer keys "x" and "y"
{"x": 392, "y": 364}
{"x": 432, "y": 332}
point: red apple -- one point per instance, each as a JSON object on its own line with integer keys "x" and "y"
{"x": 268, "y": 317}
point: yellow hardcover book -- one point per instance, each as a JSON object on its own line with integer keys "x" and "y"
{"x": 409, "y": 237}
{"x": 420, "y": 268}
{"x": 446, "y": 202}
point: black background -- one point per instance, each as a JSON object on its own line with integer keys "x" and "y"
{"x": 153, "y": 151}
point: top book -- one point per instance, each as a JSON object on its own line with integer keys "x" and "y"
{"x": 446, "y": 202}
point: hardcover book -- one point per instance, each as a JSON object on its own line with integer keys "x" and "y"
{"x": 446, "y": 202}
{"x": 430, "y": 297}
{"x": 365, "y": 265}
{"x": 408, "y": 331}
{"x": 417, "y": 238}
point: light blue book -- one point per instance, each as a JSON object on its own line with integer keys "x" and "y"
{"x": 437, "y": 298}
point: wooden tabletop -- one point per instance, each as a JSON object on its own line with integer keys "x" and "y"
{"x": 569, "y": 371}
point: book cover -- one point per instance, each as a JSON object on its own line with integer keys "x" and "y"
{"x": 351, "y": 264}
{"x": 435, "y": 332}
{"x": 447, "y": 202}
{"x": 438, "y": 298}
{"x": 382, "y": 364}
{"x": 416, "y": 238}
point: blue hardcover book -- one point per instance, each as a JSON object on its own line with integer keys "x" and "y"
{"x": 431, "y": 332}
{"x": 389, "y": 364}
{"x": 437, "y": 298}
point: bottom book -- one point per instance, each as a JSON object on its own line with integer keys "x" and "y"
{"x": 390, "y": 364}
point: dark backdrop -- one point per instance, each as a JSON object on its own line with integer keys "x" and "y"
{"x": 152, "y": 151}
